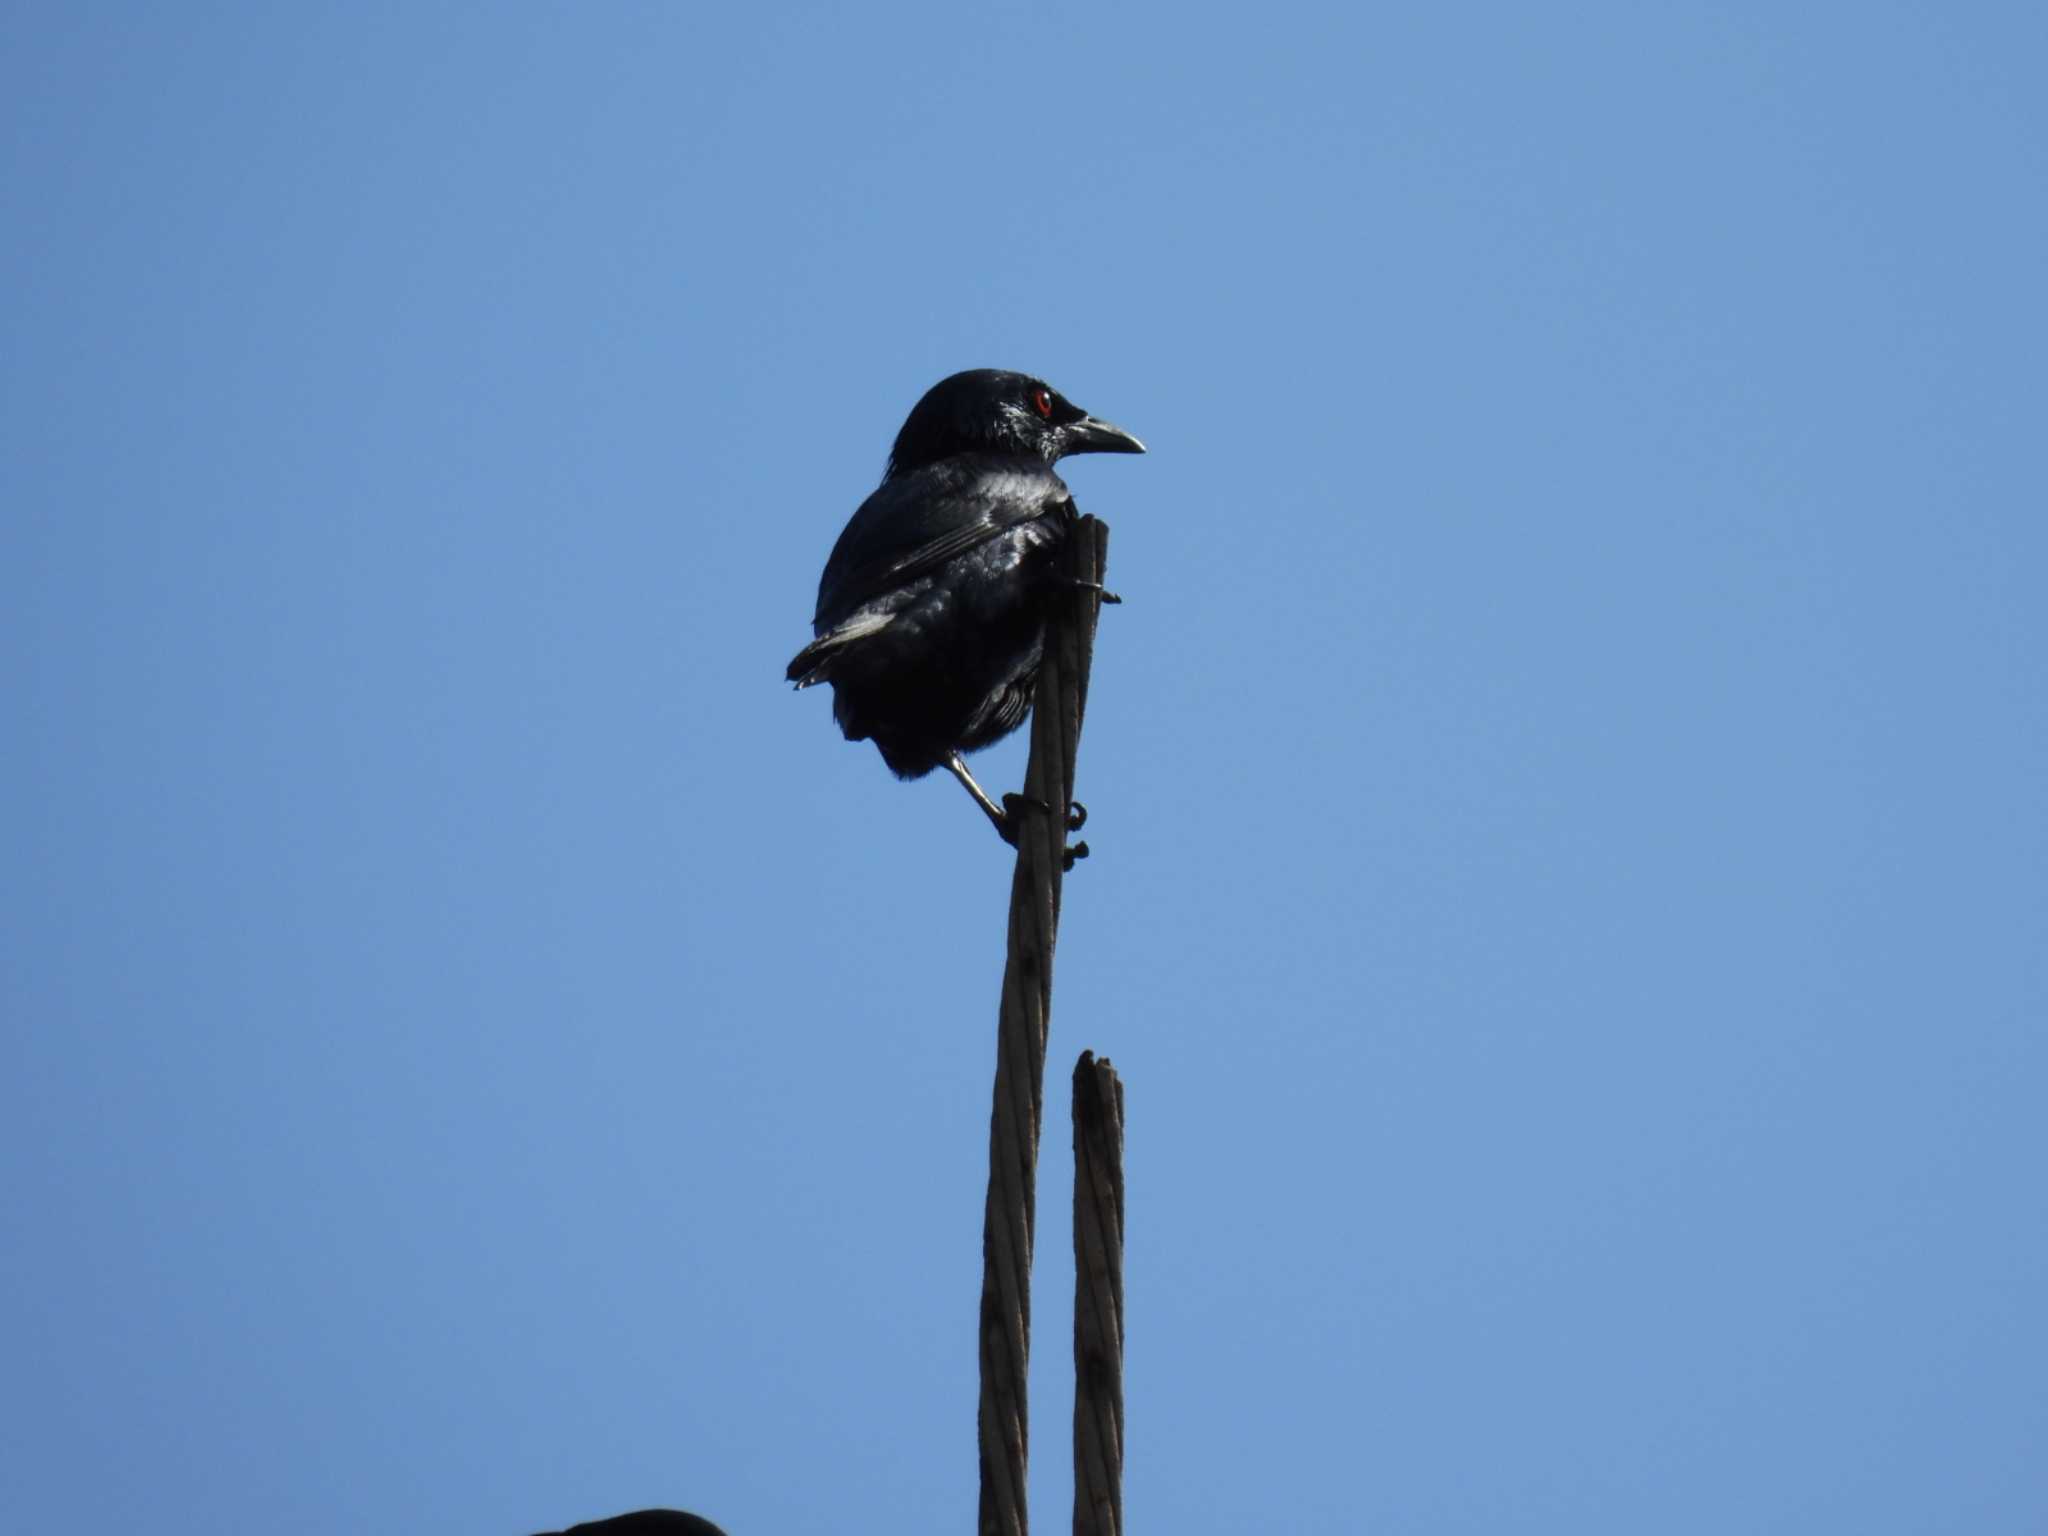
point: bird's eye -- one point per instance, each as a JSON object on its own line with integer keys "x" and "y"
{"x": 1041, "y": 401}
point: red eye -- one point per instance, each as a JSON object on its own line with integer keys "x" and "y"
{"x": 1041, "y": 401}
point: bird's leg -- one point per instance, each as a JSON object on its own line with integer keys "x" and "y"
{"x": 1005, "y": 828}
{"x": 1006, "y": 815}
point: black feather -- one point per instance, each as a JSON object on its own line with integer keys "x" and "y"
{"x": 930, "y": 622}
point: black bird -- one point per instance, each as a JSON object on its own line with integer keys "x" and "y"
{"x": 646, "y": 1522}
{"x": 931, "y": 612}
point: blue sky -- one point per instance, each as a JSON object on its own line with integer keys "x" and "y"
{"x": 1570, "y": 890}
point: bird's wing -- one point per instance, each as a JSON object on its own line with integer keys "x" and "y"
{"x": 912, "y": 526}
{"x": 813, "y": 664}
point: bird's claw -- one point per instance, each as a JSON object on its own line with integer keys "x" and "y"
{"x": 1014, "y": 807}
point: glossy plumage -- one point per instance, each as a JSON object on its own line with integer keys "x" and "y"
{"x": 931, "y": 612}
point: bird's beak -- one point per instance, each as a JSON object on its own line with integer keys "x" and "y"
{"x": 1091, "y": 436}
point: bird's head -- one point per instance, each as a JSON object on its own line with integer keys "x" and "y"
{"x": 988, "y": 410}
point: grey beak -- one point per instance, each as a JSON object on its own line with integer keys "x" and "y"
{"x": 1091, "y": 436}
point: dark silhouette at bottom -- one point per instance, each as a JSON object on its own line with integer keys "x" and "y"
{"x": 644, "y": 1522}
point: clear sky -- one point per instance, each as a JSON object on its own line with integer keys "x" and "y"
{"x": 1570, "y": 894}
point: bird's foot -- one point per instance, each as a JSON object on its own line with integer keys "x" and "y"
{"x": 1015, "y": 807}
